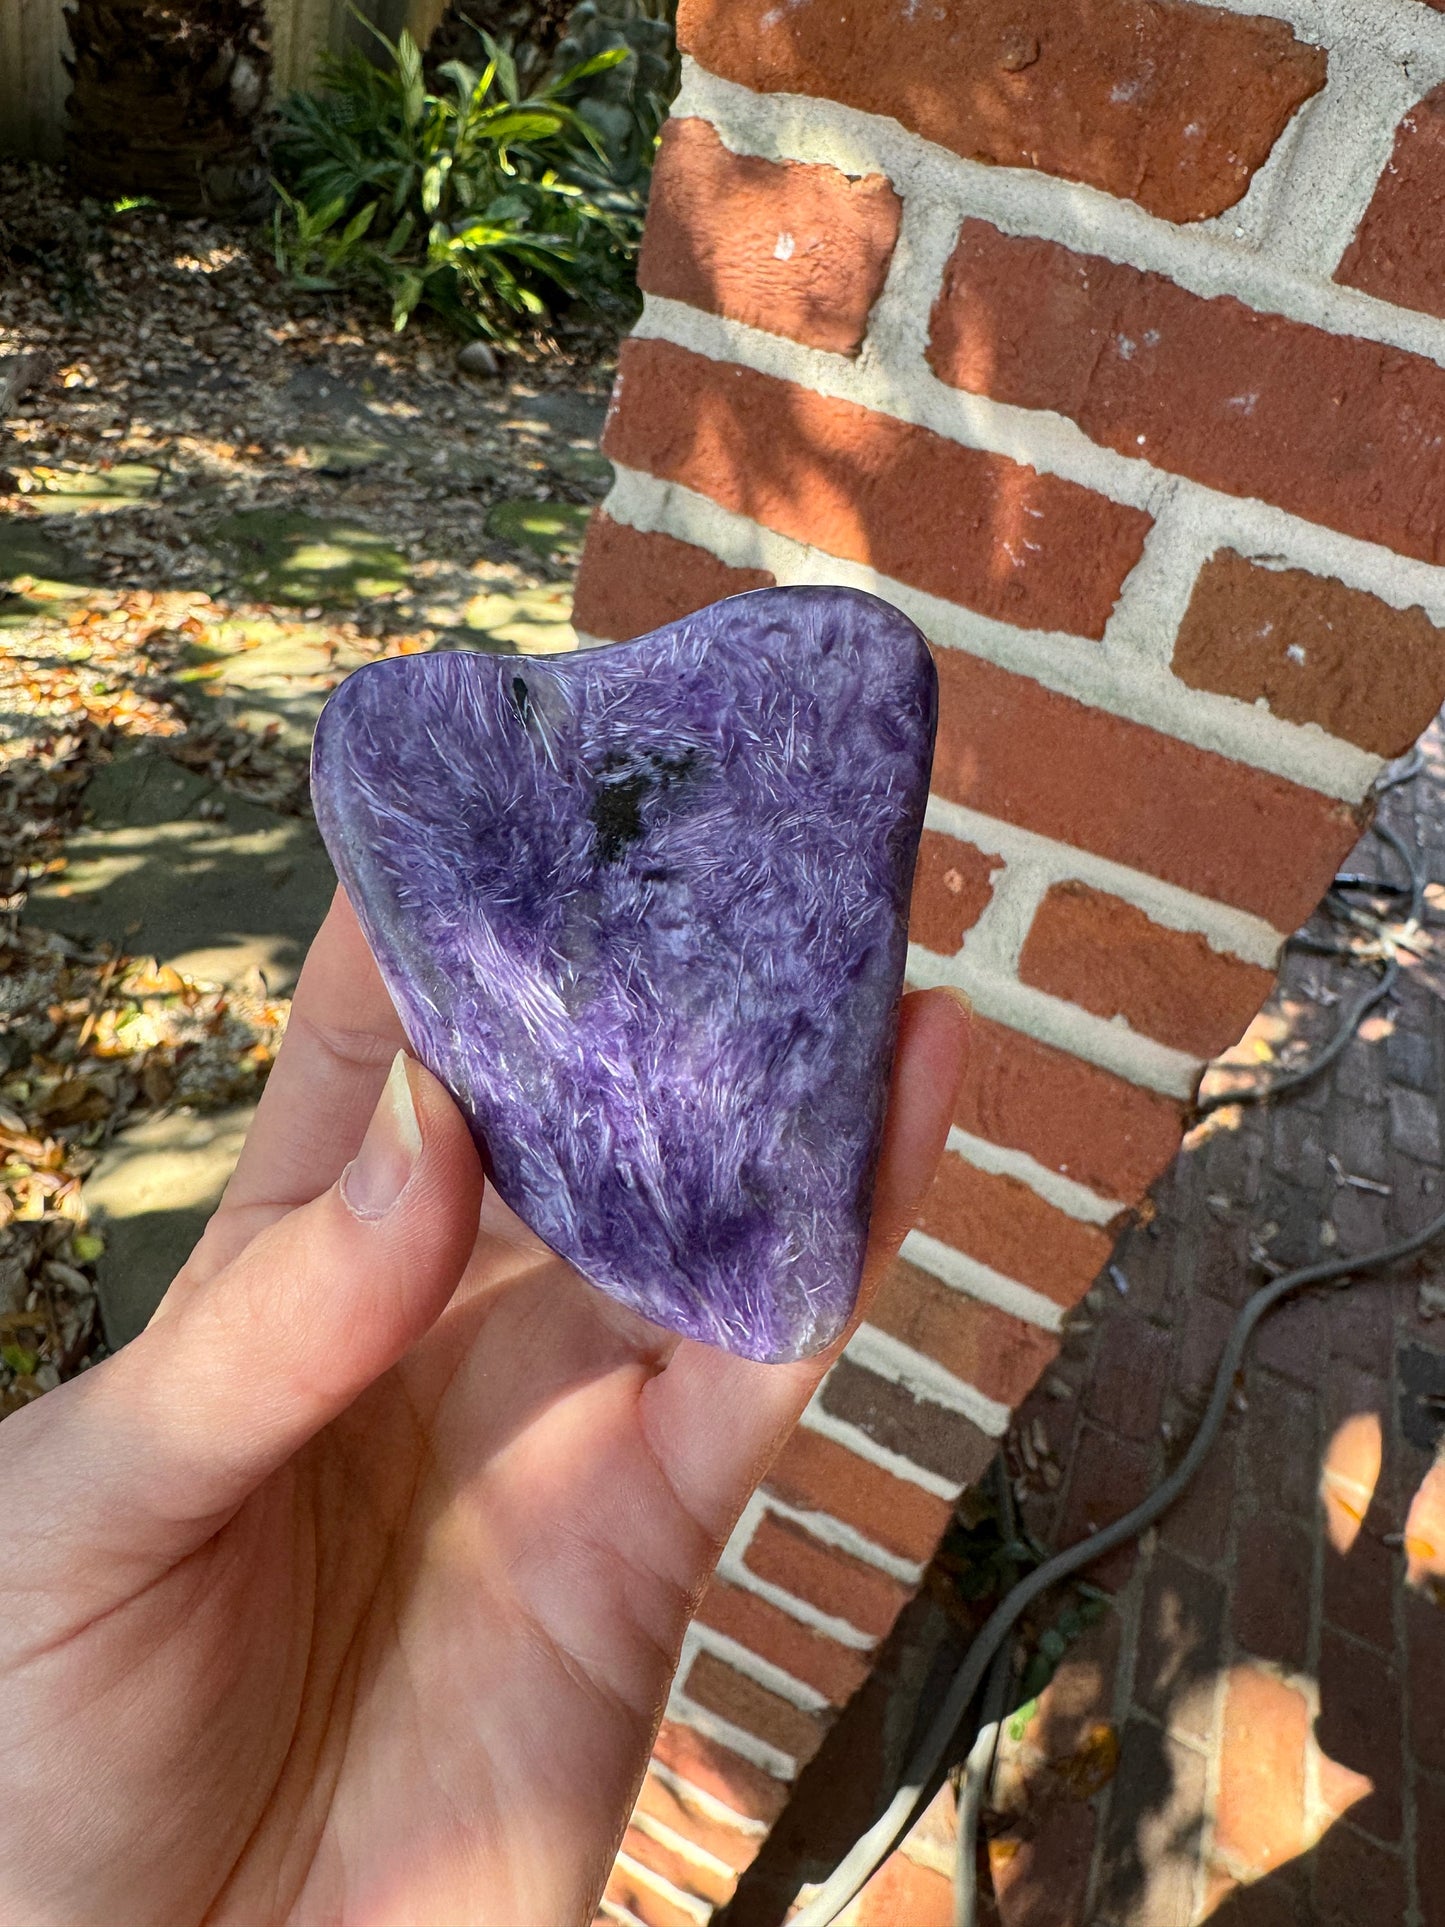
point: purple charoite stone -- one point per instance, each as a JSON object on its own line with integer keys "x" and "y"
{"x": 643, "y": 910}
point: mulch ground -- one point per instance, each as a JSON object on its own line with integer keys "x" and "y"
{"x": 159, "y": 385}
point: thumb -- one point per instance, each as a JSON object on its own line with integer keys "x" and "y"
{"x": 212, "y": 1398}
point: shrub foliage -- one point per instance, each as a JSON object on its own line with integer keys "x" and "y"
{"x": 484, "y": 194}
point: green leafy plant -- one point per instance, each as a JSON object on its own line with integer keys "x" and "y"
{"x": 480, "y": 201}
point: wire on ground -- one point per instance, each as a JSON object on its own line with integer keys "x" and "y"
{"x": 987, "y": 1660}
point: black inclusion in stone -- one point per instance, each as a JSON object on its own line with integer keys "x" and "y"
{"x": 617, "y": 813}
{"x": 622, "y": 787}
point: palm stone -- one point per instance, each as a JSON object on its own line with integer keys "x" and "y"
{"x": 643, "y": 911}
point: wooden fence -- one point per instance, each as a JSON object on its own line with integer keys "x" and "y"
{"x": 33, "y": 43}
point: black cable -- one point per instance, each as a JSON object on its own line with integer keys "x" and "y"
{"x": 989, "y": 1654}
{"x": 978, "y": 1767}
{"x": 1258, "y": 1093}
{"x": 1413, "y": 887}
{"x": 864, "y": 1859}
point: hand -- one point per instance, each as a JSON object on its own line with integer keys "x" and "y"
{"x": 350, "y": 1592}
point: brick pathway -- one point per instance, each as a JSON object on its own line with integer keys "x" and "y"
{"x": 1254, "y": 1733}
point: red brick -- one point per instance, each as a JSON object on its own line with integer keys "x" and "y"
{"x": 798, "y": 250}
{"x": 1000, "y": 1355}
{"x": 952, "y": 887}
{"x": 634, "y": 1893}
{"x": 1016, "y": 750}
{"x": 1267, "y": 1903}
{"x": 929, "y": 1435}
{"x": 1131, "y": 1376}
{"x": 691, "y": 1876}
{"x": 719, "y": 1771}
{"x": 868, "y": 488}
{"x": 1110, "y": 1476}
{"x": 1359, "y": 1589}
{"x": 936, "y": 1828}
{"x": 722, "y": 1689}
{"x": 1361, "y": 1325}
{"x": 1425, "y": 1529}
{"x": 903, "y": 1894}
{"x": 1430, "y": 1849}
{"x": 626, "y": 1889}
{"x": 633, "y": 581}
{"x": 817, "y": 1474}
{"x": 1207, "y": 1325}
{"x": 1078, "y": 1701}
{"x": 1425, "y": 1652}
{"x": 1074, "y": 1118}
{"x": 1360, "y": 1729}
{"x": 1259, "y": 1815}
{"x": 1042, "y": 1879}
{"x": 1104, "y": 954}
{"x": 1356, "y": 1881}
{"x": 1292, "y": 1341}
{"x": 1181, "y": 1634}
{"x": 1314, "y": 650}
{"x": 822, "y": 1576}
{"x": 1399, "y": 244}
{"x": 1270, "y": 1605}
{"x": 1282, "y": 1447}
{"x": 686, "y": 1816}
{"x": 1173, "y": 106}
{"x": 1005, "y": 1225}
{"x": 822, "y": 1663}
{"x": 1156, "y": 1812}
{"x": 1333, "y": 428}
{"x": 1199, "y": 1524}
{"x": 1356, "y": 1410}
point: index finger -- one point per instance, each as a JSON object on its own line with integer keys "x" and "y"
{"x": 341, "y": 1038}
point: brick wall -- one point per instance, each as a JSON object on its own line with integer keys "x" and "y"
{"x": 1107, "y": 339}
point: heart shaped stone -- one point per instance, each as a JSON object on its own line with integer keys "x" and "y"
{"x": 643, "y": 910}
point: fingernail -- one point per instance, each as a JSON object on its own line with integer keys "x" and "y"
{"x": 964, "y": 1002}
{"x": 377, "y": 1175}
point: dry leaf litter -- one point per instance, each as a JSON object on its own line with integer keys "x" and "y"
{"x": 159, "y": 385}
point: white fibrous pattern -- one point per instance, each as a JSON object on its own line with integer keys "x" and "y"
{"x": 643, "y": 910}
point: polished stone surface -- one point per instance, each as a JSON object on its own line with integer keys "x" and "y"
{"x": 643, "y": 910}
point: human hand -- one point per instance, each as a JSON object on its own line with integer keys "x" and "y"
{"x": 351, "y": 1590}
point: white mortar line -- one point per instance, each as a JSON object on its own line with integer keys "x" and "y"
{"x": 681, "y": 1845}
{"x": 997, "y": 939}
{"x": 706, "y": 1639}
{"x": 888, "y": 1357}
{"x": 855, "y": 1440}
{"x": 1074, "y": 1200}
{"x": 1394, "y": 26}
{"x": 900, "y": 384}
{"x": 1245, "y": 252}
{"x": 832, "y": 1531}
{"x": 1231, "y": 932}
{"x": 623, "y": 1916}
{"x": 708, "y": 1804}
{"x": 1106, "y": 1042}
{"x": 895, "y": 380}
{"x": 1119, "y": 680}
{"x": 1145, "y": 620}
{"x": 730, "y": 1566}
{"x": 1323, "y": 173}
{"x": 980, "y": 1281}
{"x": 771, "y": 1759}
{"x": 699, "y": 1910}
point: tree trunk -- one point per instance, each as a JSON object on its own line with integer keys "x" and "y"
{"x": 166, "y": 100}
